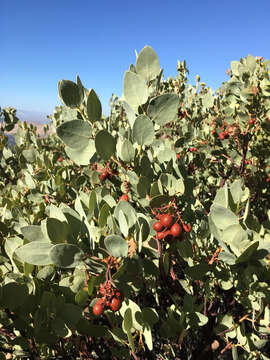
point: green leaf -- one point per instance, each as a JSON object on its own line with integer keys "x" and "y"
{"x": 81, "y": 156}
{"x": 163, "y": 108}
{"x": 75, "y": 133}
{"x": 127, "y": 152}
{"x": 143, "y": 186}
{"x": 234, "y": 353}
{"x": 116, "y": 245}
{"x": 71, "y": 314}
{"x": 58, "y": 325}
{"x": 94, "y": 109}
{"x": 127, "y": 322}
{"x": 30, "y": 155}
{"x": 135, "y": 90}
{"x": 147, "y": 64}
{"x": 246, "y": 255}
{"x": 135, "y": 312}
{"x": 81, "y": 297}
{"x": 123, "y": 223}
{"x": 35, "y": 253}
{"x": 105, "y": 144}
{"x": 197, "y": 272}
{"x": 143, "y": 130}
{"x": 207, "y": 100}
{"x": 131, "y": 116}
{"x": 33, "y": 233}
{"x": 158, "y": 201}
{"x": 129, "y": 212}
{"x": 201, "y": 319}
{"x": 222, "y": 217}
{"x": 14, "y": 295}
{"x": 150, "y": 316}
{"x": 70, "y": 93}
{"x": 57, "y": 230}
{"x": 92, "y": 202}
{"x": 227, "y": 257}
{"x": 103, "y": 215}
{"x": 148, "y": 337}
{"x": 66, "y": 255}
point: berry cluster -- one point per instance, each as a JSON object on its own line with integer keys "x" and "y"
{"x": 111, "y": 298}
{"x": 105, "y": 174}
{"x": 167, "y": 228}
{"x": 223, "y": 135}
{"x": 193, "y": 149}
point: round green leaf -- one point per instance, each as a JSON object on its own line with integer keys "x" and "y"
{"x": 116, "y": 245}
{"x": 163, "y": 108}
{"x": 35, "y": 253}
{"x": 14, "y": 295}
{"x": 143, "y": 130}
{"x": 147, "y": 64}
{"x": 66, "y": 255}
{"x": 70, "y": 93}
{"x": 33, "y": 233}
{"x": 57, "y": 230}
{"x": 127, "y": 151}
{"x": 135, "y": 90}
{"x": 81, "y": 156}
{"x": 105, "y": 144}
{"x": 75, "y": 133}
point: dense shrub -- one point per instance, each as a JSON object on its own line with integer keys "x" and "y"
{"x": 144, "y": 234}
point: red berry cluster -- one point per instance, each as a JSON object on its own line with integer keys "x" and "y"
{"x": 167, "y": 227}
{"x": 105, "y": 174}
{"x": 223, "y": 135}
{"x": 193, "y": 149}
{"x": 111, "y": 298}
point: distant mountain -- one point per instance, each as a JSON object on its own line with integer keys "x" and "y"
{"x": 33, "y": 116}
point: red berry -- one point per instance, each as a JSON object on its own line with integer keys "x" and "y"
{"x": 251, "y": 121}
{"x": 103, "y": 175}
{"x": 176, "y": 230}
{"x": 157, "y": 226}
{"x": 115, "y": 304}
{"x": 124, "y": 197}
{"x": 177, "y": 156}
{"x": 221, "y": 136}
{"x": 98, "y": 308}
{"x": 195, "y": 149}
{"x": 166, "y": 220}
{"x": 60, "y": 159}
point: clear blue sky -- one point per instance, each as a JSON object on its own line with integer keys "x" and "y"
{"x": 46, "y": 41}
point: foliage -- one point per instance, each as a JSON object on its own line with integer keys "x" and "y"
{"x": 145, "y": 234}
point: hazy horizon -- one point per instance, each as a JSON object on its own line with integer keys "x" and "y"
{"x": 44, "y": 42}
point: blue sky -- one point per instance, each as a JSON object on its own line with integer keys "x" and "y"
{"x": 43, "y": 42}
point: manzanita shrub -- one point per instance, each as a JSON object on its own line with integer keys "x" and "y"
{"x": 145, "y": 234}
